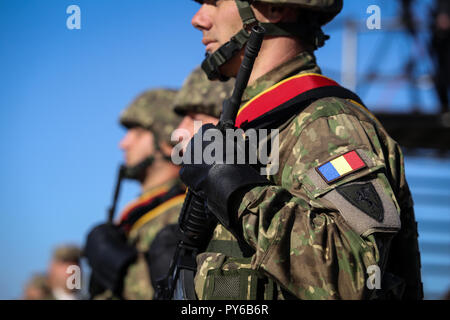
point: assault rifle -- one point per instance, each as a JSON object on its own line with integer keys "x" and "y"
{"x": 195, "y": 223}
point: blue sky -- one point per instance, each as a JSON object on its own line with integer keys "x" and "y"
{"x": 61, "y": 92}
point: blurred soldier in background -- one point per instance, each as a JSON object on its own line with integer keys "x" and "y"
{"x": 65, "y": 258}
{"x": 199, "y": 102}
{"x": 339, "y": 208}
{"x": 38, "y": 288}
{"x": 440, "y": 50}
{"x": 447, "y": 296}
{"x": 118, "y": 253}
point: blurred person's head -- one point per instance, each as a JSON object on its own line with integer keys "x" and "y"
{"x": 292, "y": 26}
{"x": 38, "y": 288}
{"x": 199, "y": 100}
{"x": 447, "y": 295}
{"x": 146, "y": 144}
{"x": 59, "y": 270}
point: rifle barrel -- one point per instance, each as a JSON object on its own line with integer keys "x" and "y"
{"x": 231, "y": 105}
{"x": 112, "y": 209}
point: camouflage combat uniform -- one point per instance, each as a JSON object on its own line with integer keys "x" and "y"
{"x": 309, "y": 241}
{"x": 137, "y": 285}
{"x": 137, "y": 281}
{"x": 38, "y": 288}
{"x": 155, "y": 208}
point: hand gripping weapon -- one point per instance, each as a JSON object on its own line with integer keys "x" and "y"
{"x": 196, "y": 224}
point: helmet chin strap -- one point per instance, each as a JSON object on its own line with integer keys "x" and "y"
{"x": 213, "y": 61}
{"x": 227, "y": 51}
{"x": 137, "y": 172}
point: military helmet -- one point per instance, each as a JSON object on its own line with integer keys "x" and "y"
{"x": 67, "y": 253}
{"x": 38, "y": 280}
{"x": 151, "y": 111}
{"x": 200, "y": 95}
{"x": 328, "y": 9}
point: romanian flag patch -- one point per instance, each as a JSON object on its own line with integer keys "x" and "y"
{"x": 340, "y": 166}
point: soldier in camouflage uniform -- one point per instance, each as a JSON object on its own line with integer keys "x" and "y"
{"x": 197, "y": 100}
{"x": 339, "y": 207}
{"x": 119, "y": 254}
{"x": 38, "y": 288}
{"x": 63, "y": 258}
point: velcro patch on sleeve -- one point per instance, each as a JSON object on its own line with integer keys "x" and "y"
{"x": 340, "y": 166}
{"x": 363, "y": 198}
{"x": 366, "y": 206}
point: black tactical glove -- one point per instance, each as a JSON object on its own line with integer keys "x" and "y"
{"x": 109, "y": 255}
{"x": 161, "y": 252}
{"x": 222, "y": 185}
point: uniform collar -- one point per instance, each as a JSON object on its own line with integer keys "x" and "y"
{"x": 304, "y": 62}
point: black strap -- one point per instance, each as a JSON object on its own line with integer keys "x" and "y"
{"x": 246, "y": 12}
{"x": 138, "y": 171}
{"x": 227, "y": 51}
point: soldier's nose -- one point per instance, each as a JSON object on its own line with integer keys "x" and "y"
{"x": 200, "y": 20}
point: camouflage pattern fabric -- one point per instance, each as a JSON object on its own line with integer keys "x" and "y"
{"x": 40, "y": 285}
{"x": 67, "y": 253}
{"x": 328, "y": 8}
{"x": 200, "y": 95}
{"x": 137, "y": 284}
{"x": 302, "y": 237}
{"x": 151, "y": 110}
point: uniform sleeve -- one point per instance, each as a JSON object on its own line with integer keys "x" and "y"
{"x": 137, "y": 281}
{"x": 319, "y": 239}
